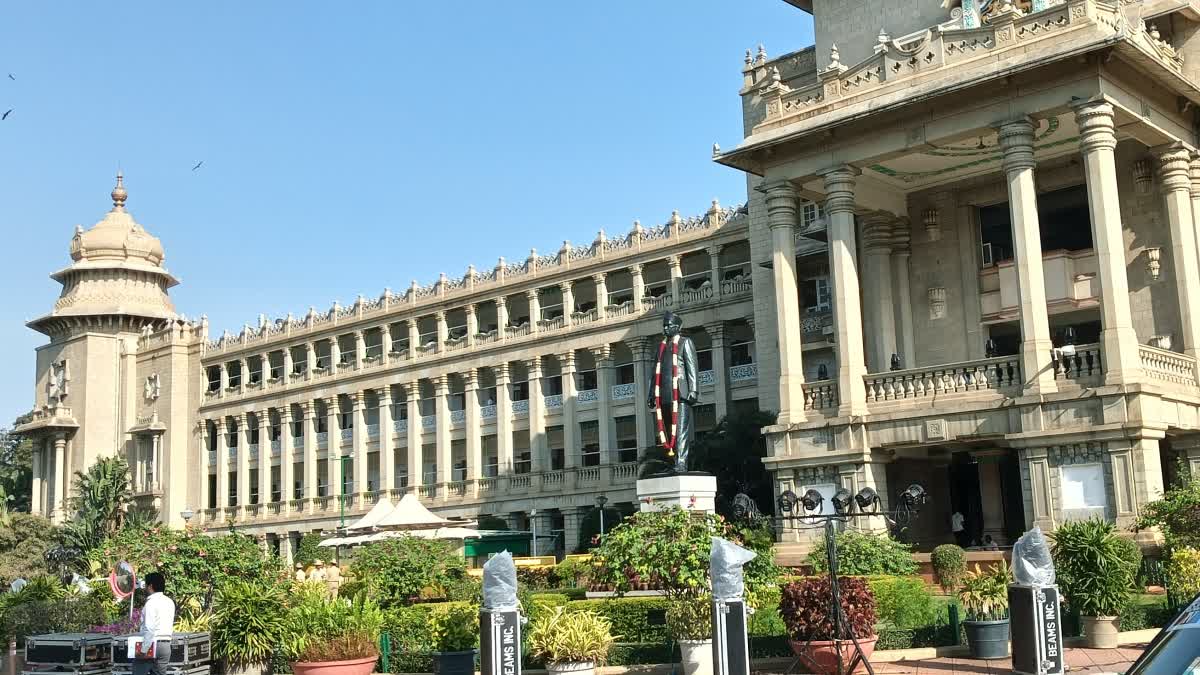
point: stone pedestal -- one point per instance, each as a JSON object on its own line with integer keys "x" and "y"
{"x": 693, "y": 491}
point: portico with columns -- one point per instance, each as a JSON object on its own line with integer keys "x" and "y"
{"x": 984, "y": 352}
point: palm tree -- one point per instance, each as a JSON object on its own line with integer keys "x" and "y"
{"x": 100, "y": 499}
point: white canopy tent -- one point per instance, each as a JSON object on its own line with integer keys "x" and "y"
{"x": 411, "y": 514}
{"x": 407, "y": 517}
{"x": 377, "y": 513}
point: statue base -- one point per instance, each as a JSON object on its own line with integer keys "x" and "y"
{"x": 693, "y": 490}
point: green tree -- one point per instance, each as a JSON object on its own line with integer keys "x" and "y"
{"x": 16, "y": 473}
{"x": 99, "y": 500}
{"x": 23, "y": 546}
{"x": 308, "y": 550}
{"x": 668, "y": 548}
{"x": 734, "y": 452}
{"x": 397, "y": 570}
{"x": 1176, "y": 515}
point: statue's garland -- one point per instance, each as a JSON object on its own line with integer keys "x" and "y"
{"x": 665, "y": 440}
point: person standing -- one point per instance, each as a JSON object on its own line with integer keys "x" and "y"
{"x": 153, "y": 655}
{"x": 958, "y": 525}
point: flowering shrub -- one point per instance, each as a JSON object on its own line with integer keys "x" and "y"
{"x": 667, "y": 548}
{"x": 1183, "y": 572}
{"x": 805, "y": 606}
{"x": 196, "y": 565}
{"x": 397, "y": 571}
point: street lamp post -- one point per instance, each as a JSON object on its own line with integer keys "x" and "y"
{"x": 186, "y": 514}
{"x": 600, "y": 502}
{"x": 344, "y": 459}
{"x": 533, "y": 525}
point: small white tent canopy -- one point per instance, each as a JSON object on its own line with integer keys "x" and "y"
{"x": 411, "y": 514}
{"x": 430, "y": 533}
{"x": 377, "y": 513}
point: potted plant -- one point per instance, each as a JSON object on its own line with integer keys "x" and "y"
{"x": 573, "y": 643}
{"x": 805, "y": 607}
{"x": 326, "y": 636}
{"x": 984, "y": 599}
{"x": 689, "y": 621}
{"x": 455, "y": 636}
{"x": 249, "y": 621}
{"x": 1096, "y": 570}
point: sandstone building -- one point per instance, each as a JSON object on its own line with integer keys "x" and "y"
{"x": 968, "y": 259}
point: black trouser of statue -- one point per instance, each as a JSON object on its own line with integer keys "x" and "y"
{"x": 674, "y": 390}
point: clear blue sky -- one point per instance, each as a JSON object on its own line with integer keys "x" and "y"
{"x": 353, "y": 146}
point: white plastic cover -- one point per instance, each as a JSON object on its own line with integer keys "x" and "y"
{"x": 1032, "y": 564}
{"x": 725, "y": 566}
{"x": 500, "y": 583}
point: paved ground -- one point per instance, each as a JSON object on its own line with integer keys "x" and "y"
{"x": 1079, "y": 660}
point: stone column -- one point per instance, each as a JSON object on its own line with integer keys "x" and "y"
{"x": 416, "y": 463}
{"x": 243, "y": 374}
{"x": 504, "y": 431}
{"x": 501, "y": 317}
{"x": 360, "y": 349}
{"x": 472, "y": 424}
{"x": 287, "y": 459}
{"x": 472, "y": 324}
{"x": 387, "y": 448}
{"x": 310, "y": 357}
{"x": 714, "y": 269}
{"x": 37, "y": 505}
{"x": 537, "y": 416}
{"x": 604, "y": 382}
{"x": 716, "y": 334}
{"x": 441, "y": 399}
{"x": 333, "y": 445}
{"x": 601, "y": 281}
{"x": 206, "y": 467}
{"x": 571, "y": 450}
{"x": 61, "y": 477}
{"x": 243, "y": 461}
{"x": 1175, "y": 175}
{"x": 222, "y": 465}
{"x": 877, "y": 290}
{"x": 1098, "y": 139}
{"x": 901, "y": 254}
{"x": 309, "y": 427}
{"x": 642, "y": 354}
{"x": 639, "y": 285}
{"x": 1016, "y": 138}
{"x": 675, "y": 267}
{"x": 535, "y": 309}
{"x": 568, "y": 301}
{"x": 358, "y": 442}
{"x": 264, "y": 459}
{"x": 847, "y": 312}
{"x": 443, "y": 332}
{"x": 335, "y": 353}
{"x": 286, "y": 375}
{"x": 414, "y": 338}
{"x": 1039, "y": 501}
{"x": 224, "y": 377}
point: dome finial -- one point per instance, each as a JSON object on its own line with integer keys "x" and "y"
{"x": 118, "y": 194}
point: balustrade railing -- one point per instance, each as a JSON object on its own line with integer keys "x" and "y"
{"x": 1084, "y": 364}
{"x": 427, "y": 491}
{"x": 486, "y": 486}
{"x": 520, "y": 482}
{"x": 1167, "y": 366}
{"x": 428, "y": 422}
{"x": 588, "y": 474}
{"x": 274, "y": 509}
{"x": 708, "y": 377}
{"x": 553, "y": 402}
{"x": 487, "y": 412}
{"x": 736, "y": 286}
{"x": 694, "y": 295}
{"x": 552, "y": 479}
{"x": 520, "y": 407}
{"x": 297, "y": 505}
{"x": 743, "y": 373}
{"x": 276, "y": 447}
{"x": 457, "y": 489}
{"x": 625, "y": 472}
{"x": 820, "y": 395}
{"x": 458, "y": 417}
{"x": 587, "y": 396}
{"x": 400, "y": 426}
{"x": 619, "y": 310}
{"x": 323, "y": 437}
{"x": 984, "y": 375}
{"x": 621, "y": 392}
{"x": 346, "y": 434}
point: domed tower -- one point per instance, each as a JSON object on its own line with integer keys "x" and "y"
{"x": 114, "y": 290}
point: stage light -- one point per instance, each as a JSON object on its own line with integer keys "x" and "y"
{"x": 867, "y": 498}
{"x": 913, "y": 497}
{"x": 812, "y": 500}
{"x": 841, "y": 500}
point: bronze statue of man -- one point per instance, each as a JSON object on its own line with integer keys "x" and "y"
{"x": 674, "y": 390}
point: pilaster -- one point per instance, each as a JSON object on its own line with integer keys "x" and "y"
{"x": 472, "y": 324}
{"x": 571, "y": 449}
{"x": 358, "y": 441}
{"x": 535, "y": 309}
{"x": 360, "y": 349}
{"x": 716, "y": 335}
{"x": 1175, "y": 173}
{"x": 264, "y": 459}
{"x": 287, "y": 459}
{"x": 474, "y": 442}
{"x": 443, "y": 332}
{"x": 639, "y": 285}
{"x": 504, "y": 430}
{"x": 902, "y": 274}
{"x": 416, "y": 463}
{"x": 568, "y": 301}
{"x": 333, "y": 448}
{"x": 600, "y": 279}
{"x": 675, "y": 268}
{"x": 604, "y": 382}
{"x": 714, "y": 269}
{"x": 309, "y": 427}
{"x": 243, "y": 464}
{"x": 880, "y": 335}
{"x": 641, "y": 383}
{"x": 387, "y": 447}
{"x": 441, "y": 398}
{"x": 501, "y": 317}
{"x": 537, "y": 417}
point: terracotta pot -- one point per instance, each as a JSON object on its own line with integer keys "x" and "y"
{"x": 352, "y": 667}
{"x": 1100, "y": 632}
{"x": 822, "y": 657}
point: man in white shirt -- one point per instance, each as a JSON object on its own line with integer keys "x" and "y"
{"x": 958, "y": 526}
{"x": 153, "y": 655}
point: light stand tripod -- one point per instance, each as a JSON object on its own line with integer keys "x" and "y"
{"x": 867, "y": 501}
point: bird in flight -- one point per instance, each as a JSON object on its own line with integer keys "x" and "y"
{"x": 5, "y": 115}
{"x": 201, "y": 163}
